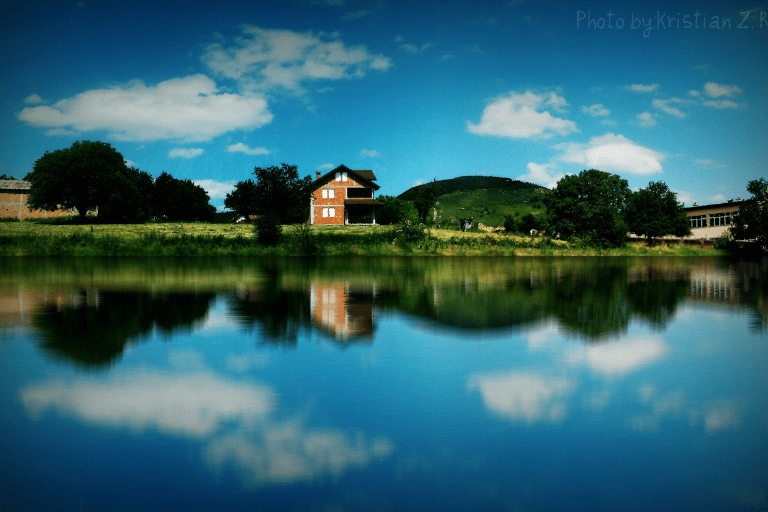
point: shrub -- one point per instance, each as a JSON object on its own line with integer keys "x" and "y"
{"x": 306, "y": 241}
{"x": 410, "y": 233}
{"x": 268, "y": 230}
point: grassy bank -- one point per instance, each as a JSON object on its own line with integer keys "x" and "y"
{"x": 201, "y": 239}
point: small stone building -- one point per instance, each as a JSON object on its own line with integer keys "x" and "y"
{"x": 344, "y": 196}
{"x": 13, "y": 202}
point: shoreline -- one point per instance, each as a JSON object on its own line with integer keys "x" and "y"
{"x": 26, "y": 239}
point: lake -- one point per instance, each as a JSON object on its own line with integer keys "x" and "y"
{"x": 384, "y": 384}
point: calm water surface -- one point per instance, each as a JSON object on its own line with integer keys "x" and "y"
{"x": 384, "y": 384}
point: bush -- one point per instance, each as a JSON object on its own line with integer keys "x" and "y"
{"x": 410, "y": 233}
{"x": 305, "y": 240}
{"x": 268, "y": 230}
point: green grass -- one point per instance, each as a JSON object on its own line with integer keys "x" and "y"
{"x": 202, "y": 239}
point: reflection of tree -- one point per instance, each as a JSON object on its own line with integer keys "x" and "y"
{"x": 95, "y": 333}
{"x": 656, "y": 300}
{"x": 279, "y": 314}
{"x": 590, "y": 301}
{"x": 751, "y": 278}
{"x": 593, "y": 298}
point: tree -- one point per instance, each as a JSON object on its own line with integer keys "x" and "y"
{"x": 511, "y": 222}
{"x": 243, "y": 200}
{"x": 181, "y": 200}
{"x": 395, "y": 211}
{"x": 751, "y": 223}
{"x": 85, "y": 176}
{"x": 424, "y": 200}
{"x": 655, "y": 212}
{"x": 277, "y": 190}
{"x": 590, "y": 205}
{"x": 530, "y": 222}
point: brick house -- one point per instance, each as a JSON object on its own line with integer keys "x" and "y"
{"x": 13, "y": 202}
{"x": 344, "y": 196}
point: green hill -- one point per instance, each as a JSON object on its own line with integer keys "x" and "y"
{"x": 484, "y": 198}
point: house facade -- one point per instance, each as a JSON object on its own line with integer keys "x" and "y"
{"x": 344, "y": 196}
{"x": 712, "y": 221}
{"x": 13, "y": 202}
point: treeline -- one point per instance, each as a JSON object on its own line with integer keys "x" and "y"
{"x": 93, "y": 177}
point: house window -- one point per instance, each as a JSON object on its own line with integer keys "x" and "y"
{"x": 341, "y": 176}
{"x": 359, "y": 193}
{"x": 720, "y": 219}
{"x": 329, "y": 212}
{"x": 698, "y": 221}
{"x": 325, "y": 212}
{"x": 329, "y": 193}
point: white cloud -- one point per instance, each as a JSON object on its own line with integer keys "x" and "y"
{"x": 191, "y": 405}
{"x": 528, "y": 397}
{"x": 714, "y": 90}
{"x": 523, "y": 116}
{"x": 189, "y": 108}
{"x": 216, "y": 189}
{"x": 369, "y": 152}
{"x": 596, "y": 110}
{"x": 412, "y": 48}
{"x": 683, "y": 196}
{"x": 642, "y": 88}
{"x": 621, "y": 357}
{"x": 266, "y": 59}
{"x": 646, "y": 120}
{"x": 694, "y": 93}
{"x": 355, "y": 15}
{"x": 232, "y": 419}
{"x": 708, "y": 163}
{"x": 542, "y": 174}
{"x": 185, "y": 152}
{"x": 325, "y": 167}
{"x": 721, "y": 104}
{"x": 244, "y": 148}
{"x": 666, "y": 107}
{"x": 718, "y": 198}
{"x": 612, "y": 153}
{"x": 289, "y": 452}
{"x": 722, "y": 416}
{"x": 33, "y": 99}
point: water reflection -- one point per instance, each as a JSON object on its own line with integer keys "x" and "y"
{"x": 93, "y": 328}
{"x": 593, "y": 299}
{"x": 583, "y": 377}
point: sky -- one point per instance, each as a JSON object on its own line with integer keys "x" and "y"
{"x": 413, "y": 90}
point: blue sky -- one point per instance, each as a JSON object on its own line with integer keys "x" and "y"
{"x": 524, "y": 89}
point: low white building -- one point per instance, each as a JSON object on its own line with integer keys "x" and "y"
{"x": 712, "y": 221}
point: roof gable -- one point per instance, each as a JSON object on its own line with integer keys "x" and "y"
{"x": 366, "y": 176}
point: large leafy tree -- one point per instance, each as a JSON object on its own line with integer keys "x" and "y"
{"x": 590, "y": 205}
{"x": 395, "y": 211}
{"x": 654, "y": 212}
{"x": 276, "y": 191}
{"x": 752, "y": 221}
{"x": 181, "y": 200}
{"x": 424, "y": 200}
{"x": 85, "y": 176}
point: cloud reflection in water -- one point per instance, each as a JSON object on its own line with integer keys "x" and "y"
{"x": 233, "y": 419}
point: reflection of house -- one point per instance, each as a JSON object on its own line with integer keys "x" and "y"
{"x": 18, "y": 305}
{"x": 13, "y": 202}
{"x": 343, "y": 312}
{"x": 712, "y": 220}
{"x": 344, "y": 196}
